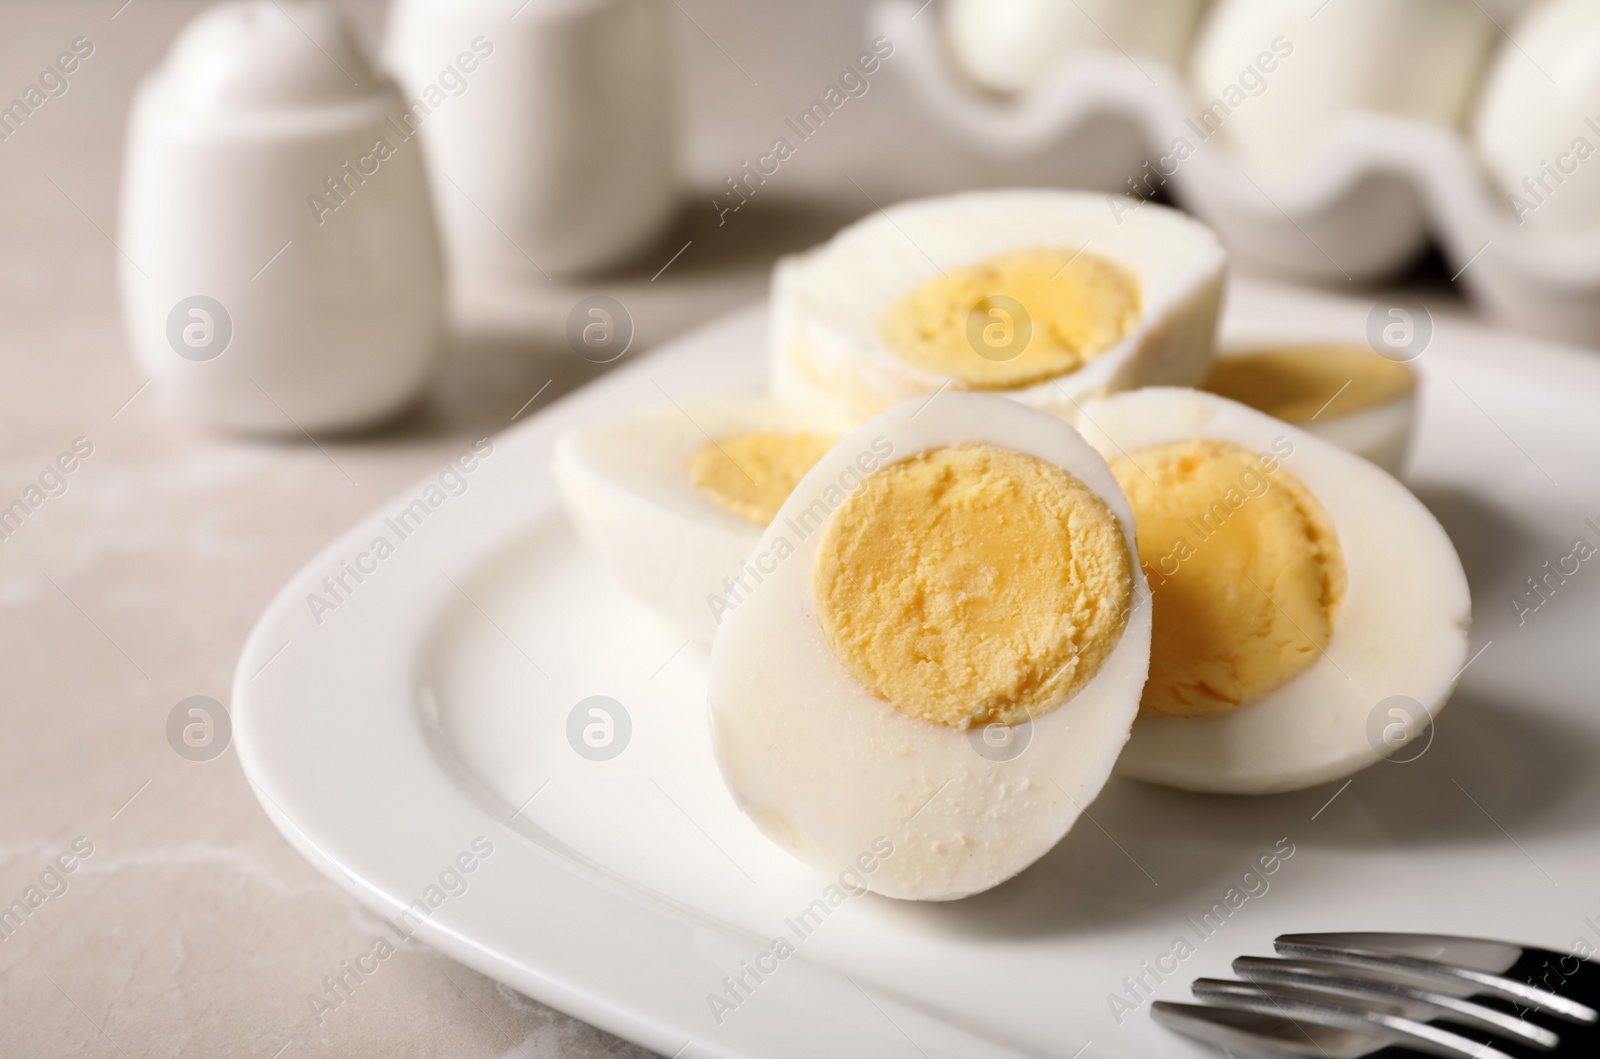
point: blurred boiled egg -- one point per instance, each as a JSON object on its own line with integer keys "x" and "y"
{"x": 1538, "y": 123}
{"x": 944, "y": 650}
{"x": 1275, "y": 75}
{"x": 1043, "y": 296}
{"x": 1345, "y": 394}
{"x": 673, "y": 498}
{"x": 1303, "y": 598}
{"x": 1009, "y": 46}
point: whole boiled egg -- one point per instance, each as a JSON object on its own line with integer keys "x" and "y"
{"x": 1310, "y": 614}
{"x": 1275, "y": 75}
{"x": 939, "y": 661}
{"x": 1538, "y": 122}
{"x": 1346, "y": 394}
{"x": 1045, "y": 297}
{"x": 673, "y": 498}
{"x": 1009, "y": 46}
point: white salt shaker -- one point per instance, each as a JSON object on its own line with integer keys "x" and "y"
{"x": 281, "y": 271}
{"x": 550, "y": 128}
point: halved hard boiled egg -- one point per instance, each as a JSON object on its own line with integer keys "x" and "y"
{"x": 1042, "y": 296}
{"x": 1346, "y": 394}
{"x": 673, "y": 498}
{"x": 1301, "y": 596}
{"x": 938, "y": 659}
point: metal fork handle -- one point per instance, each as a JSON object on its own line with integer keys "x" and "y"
{"x": 1369, "y": 950}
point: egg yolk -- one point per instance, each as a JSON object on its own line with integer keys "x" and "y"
{"x": 1015, "y": 319}
{"x": 972, "y": 584}
{"x": 751, "y": 475}
{"x": 1244, "y": 568}
{"x": 1300, "y": 383}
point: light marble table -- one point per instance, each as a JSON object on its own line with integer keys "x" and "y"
{"x": 192, "y": 928}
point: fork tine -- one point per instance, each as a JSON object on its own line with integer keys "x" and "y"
{"x": 1441, "y": 959}
{"x": 1306, "y": 1008}
{"x": 1261, "y": 1035}
{"x": 1251, "y": 1034}
{"x": 1369, "y": 985}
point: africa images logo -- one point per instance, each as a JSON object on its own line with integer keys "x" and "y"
{"x": 199, "y": 328}
{"x": 352, "y": 573}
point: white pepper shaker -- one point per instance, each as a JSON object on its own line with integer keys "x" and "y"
{"x": 550, "y": 128}
{"x": 281, "y": 271}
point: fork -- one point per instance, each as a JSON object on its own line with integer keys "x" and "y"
{"x": 1385, "y": 996}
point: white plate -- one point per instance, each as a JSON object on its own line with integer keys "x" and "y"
{"x": 433, "y": 702}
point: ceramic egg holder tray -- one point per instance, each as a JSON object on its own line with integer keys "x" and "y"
{"x": 1356, "y": 210}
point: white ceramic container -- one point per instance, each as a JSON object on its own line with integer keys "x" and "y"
{"x": 1359, "y": 207}
{"x": 550, "y": 128}
{"x": 280, "y": 269}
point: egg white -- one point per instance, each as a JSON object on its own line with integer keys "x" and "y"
{"x": 1380, "y": 434}
{"x": 827, "y": 769}
{"x": 1402, "y": 628}
{"x": 1527, "y": 120}
{"x": 626, "y": 488}
{"x": 1009, "y": 46}
{"x": 1417, "y": 58}
{"x": 828, "y": 303}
